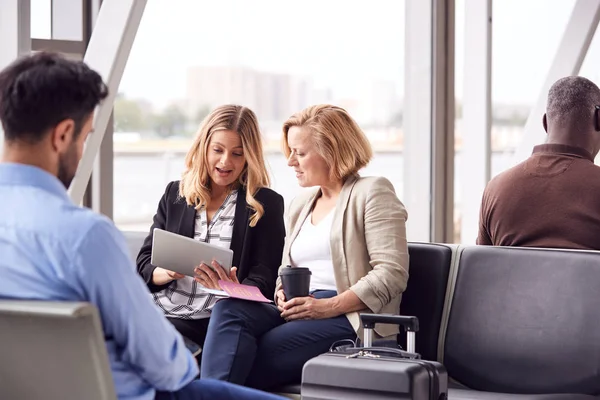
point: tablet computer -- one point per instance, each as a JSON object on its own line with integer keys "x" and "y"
{"x": 183, "y": 254}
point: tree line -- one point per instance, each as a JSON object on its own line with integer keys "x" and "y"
{"x": 139, "y": 116}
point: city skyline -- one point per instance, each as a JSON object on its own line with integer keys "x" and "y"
{"x": 334, "y": 43}
{"x": 342, "y": 45}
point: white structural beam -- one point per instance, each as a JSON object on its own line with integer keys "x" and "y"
{"x": 107, "y": 53}
{"x": 418, "y": 119}
{"x": 15, "y": 34}
{"x": 475, "y": 155}
{"x": 59, "y": 46}
{"x": 68, "y": 19}
{"x": 428, "y": 133}
{"x": 102, "y": 191}
{"x": 102, "y": 200}
{"x": 567, "y": 61}
{"x": 443, "y": 119}
{"x": 15, "y": 30}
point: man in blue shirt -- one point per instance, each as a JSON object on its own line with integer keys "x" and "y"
{"x": 54, "y": 250}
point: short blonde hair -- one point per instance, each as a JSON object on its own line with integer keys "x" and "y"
{"x": 337, "y": 138}
{"x": 195, "y": 181}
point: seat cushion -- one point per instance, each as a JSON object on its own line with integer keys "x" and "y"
{"x": 464, "y": 394}
{"x": 461, "y": 394}
{"x": 425, "y": 294}
{"x": 288, "y": 389}
{"x": 525, "y": 321}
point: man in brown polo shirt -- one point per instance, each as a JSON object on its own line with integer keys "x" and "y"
{"x": 552, "y": 199}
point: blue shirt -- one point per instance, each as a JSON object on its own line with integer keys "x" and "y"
{"x": 54, "y": 250}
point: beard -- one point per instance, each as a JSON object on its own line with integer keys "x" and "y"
{"x": 67, "y": 165}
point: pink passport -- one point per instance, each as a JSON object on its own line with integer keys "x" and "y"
{"x": 244, "y": 292}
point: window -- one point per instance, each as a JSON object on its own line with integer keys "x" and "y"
{"x": 271, "y": 56}
{"x": 41, "y": 19}
{"x": 525, "y": 37}
{"x": 589, "y": 68}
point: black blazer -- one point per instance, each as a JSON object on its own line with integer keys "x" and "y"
{"x": 256, "y": 251}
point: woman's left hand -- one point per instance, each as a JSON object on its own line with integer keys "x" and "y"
{"x": 209, "y": 277}
{"x": 308, "y": 308}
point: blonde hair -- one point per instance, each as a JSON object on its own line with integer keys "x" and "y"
{"x": 337, "y": 138}
{"x": 195, "y": 185}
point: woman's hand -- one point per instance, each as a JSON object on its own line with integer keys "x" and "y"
{"x": 280, "y": 299}
{"x": 307, "y": 308}
{"x": 161, "y": 276}
{"x": 209, "y": 277}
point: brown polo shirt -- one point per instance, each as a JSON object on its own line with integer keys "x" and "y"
{"x": 552, "y": 199}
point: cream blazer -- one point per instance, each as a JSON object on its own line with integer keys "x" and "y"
{"x": 368, "y": 245}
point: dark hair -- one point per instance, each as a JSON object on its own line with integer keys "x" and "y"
{"x": 39, "y": 91}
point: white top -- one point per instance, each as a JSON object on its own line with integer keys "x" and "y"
{"x": 184, "y": 298}
{"x": 311, "y": 250}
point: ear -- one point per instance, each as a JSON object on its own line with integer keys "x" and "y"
{"x": 545, "y": 123}
{"x": 62, "y": 135}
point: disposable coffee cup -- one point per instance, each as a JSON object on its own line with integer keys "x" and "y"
{"x": 295, "y": 282}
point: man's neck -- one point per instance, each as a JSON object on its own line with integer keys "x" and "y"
{"x": 26, "y": 156}
{"x": 567, "y": 138}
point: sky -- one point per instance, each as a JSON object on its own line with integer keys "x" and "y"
{"x": 339, "y": 44}
{"x": 329, "y": 41}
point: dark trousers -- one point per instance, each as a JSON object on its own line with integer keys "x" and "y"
{"x": 250, "y": 344}
{"x": 193, "y": 329}
{"x": 211, "y": 389}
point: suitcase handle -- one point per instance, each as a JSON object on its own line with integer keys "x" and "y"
{"x": 410, "y": 323}
{"x": 378, "y": 351}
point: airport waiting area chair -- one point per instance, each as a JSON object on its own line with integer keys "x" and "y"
{"x": 135, "y": 240}
{"x": 52, "y": 351}
{"x": 424, "y": 297}
{"x": 523, "y": 325}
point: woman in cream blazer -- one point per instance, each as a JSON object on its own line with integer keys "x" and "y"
{"x": 349, "y": 231}
{"x": 368, "y": 245}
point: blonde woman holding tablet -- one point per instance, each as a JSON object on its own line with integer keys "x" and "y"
{"x": 223, "y": 199}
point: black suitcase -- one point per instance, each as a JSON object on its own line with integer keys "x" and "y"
{"x": 375, "y": 372}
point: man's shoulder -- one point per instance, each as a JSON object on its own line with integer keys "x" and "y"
{"x": 60, "y": 222}
{"x": 64, "y": 234}
{"x": 97, "y": 240}
{"x": 79, "y": 223}
{"x": 508, "y": 177}
{"x": 520, "y": 174}
{"x": 594, "y": 171}
{"x": 81, "y": 218}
